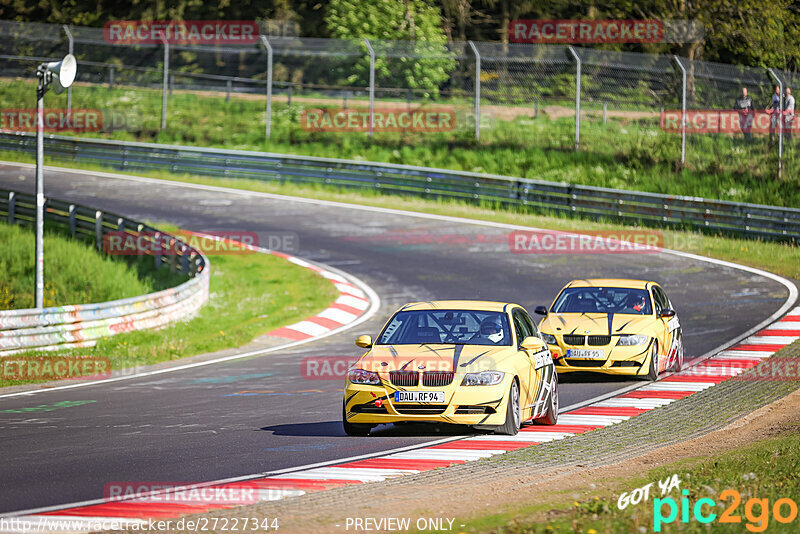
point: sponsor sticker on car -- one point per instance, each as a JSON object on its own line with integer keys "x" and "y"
{"x": 419, "y": 396}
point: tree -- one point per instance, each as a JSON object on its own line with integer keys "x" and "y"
{"x": 426, "y": 63}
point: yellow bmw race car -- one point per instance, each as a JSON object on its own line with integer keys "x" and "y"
{"x": 465, "y": 362}
{"x": 621, "y": 327}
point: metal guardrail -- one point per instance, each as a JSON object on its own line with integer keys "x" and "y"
{"x": 81, "y": 325}
{"x": 751, "y": 220}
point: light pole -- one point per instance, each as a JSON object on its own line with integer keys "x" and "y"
{"x": 61, "y": 74}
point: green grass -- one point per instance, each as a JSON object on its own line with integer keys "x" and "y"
{"x": 249, "y": 295}
{"x": 627, "y": 154}
{"x": 763, "y": 470}
{"x": 74, "y": 272}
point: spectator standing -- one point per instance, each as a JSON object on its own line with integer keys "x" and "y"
{"x": 788, "y": 114}
{"x": 744, "y": 106}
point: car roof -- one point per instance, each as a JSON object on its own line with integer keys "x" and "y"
{"x": 476, "y": 305}
{"x": 611, "y": 282}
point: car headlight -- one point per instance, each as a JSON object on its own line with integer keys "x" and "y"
{"x": 360, "y": 376}
{"x": 550, "y": 339}
{"x": 627, "y": 340}
{"x": 484, "y": 378}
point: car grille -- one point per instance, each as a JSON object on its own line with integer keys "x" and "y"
{"x": 572, "y": 339}
{"x": 437, "y": 378}
{"x": 422, "y": 409}
{"x": 370, "y": 408}
{"x": 599, "y": 340}
{"x": 584, "y": 363}
{"x": 404, "y": 378}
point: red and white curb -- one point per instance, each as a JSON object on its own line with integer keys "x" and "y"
{"x": 726, "y": 364}
{"x": 349, "y": 306}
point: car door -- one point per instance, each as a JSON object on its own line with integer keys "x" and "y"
{"x": 672, "y": 325}
{"x": 525, "y": 363}
{"x": 542, "y": 368}
{"x": 664, "y": 338}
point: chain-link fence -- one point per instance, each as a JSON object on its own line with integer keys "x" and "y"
{"x": 623, "y": 105}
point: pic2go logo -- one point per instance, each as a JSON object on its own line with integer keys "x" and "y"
{"x": 756, "y": 511}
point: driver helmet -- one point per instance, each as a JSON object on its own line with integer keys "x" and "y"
{"x": 491, "y": 328}
{"x": 637, "y": 302}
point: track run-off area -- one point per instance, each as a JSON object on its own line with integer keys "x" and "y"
{"x": 261, "y": 413}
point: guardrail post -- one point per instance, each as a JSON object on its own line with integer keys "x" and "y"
{"x": 157, "y": 257}
{"x": 12, "y": 204}
{"x": 780, "y": 122}
{"x": 165, "y": 86}
{"x": 98, "y": 230}
{"x": 268, "y": 46}
{"x": 371, "y": 86}
{"x": 72, "y": 220}
{"x": 477, "y": 90}
{"x": 228, "y": 88}
{"x": 683, "y": 108}
{"x": 71, "y": 50}
{"x": 577, "y": 97}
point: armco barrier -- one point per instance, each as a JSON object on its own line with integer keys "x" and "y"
{"x": 752, "y": 220}
{"x": 82, "y": 324}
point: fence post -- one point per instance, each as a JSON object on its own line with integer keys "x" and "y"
{"x": 683, "y": 108}
{"x": 268, "y": 46}
{"x": 780, "y": 123}
{"x": 111, "y": 78}
{"x": 71, "y": 50}
{"x": 98, "y": 230}
{"x": 477, "y": 90}
{"x": 12, "y": 202}
{"x": 371, "y": 86}
{"x": 605, "y": 111}
{"x": 72, "y": 220}
{"x": 165, "y": 86}
{"x": 577, "y": 97}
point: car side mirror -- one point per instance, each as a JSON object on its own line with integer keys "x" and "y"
{"x": 666, "y": 313}
{"x": 540, "y": 310}
{"x": 364, "y": 342}
{"x": 532, "y": 343}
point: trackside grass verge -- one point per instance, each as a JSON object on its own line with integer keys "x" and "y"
{"x": 249, "y": 295}
{"x": 779, "y": 258}
{"x": 765, "y": 470}
{"x": 74, "y": 272}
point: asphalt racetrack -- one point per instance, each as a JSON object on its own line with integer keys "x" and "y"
{"x": 259, "y": 414}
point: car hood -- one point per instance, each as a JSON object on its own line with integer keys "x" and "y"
{"x": 435, "y": 357}
{"x": 595, "y": 323}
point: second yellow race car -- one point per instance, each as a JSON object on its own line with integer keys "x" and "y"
{"x": 474, "y": 363}
{"x": 621, "y": 327}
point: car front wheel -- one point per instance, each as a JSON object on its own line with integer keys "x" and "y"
{"x": 513, "y": 413}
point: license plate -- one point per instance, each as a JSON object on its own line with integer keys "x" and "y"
{"x": 589, "y": 354}
{"x": 436, "y": 397}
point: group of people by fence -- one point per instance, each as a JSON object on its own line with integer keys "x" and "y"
{"x": 780, "y": 119}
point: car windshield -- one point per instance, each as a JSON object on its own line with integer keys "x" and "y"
{"x": 458, "y": 327}
{"x": 603, "y": 300}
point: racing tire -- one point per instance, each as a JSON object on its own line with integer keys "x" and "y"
{"x": 652, "y": 374}
{"x": 550, "y": 417}
{"x": 678, "y": 364}
{"x": 513, "y": 412}
{"x": 354, "y": 429}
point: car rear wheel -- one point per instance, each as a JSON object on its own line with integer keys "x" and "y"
{"x": 354, "y": 429}
{"x": 513, "y": 413}
{"x": 551, "y": 415}
{"x": 653, "y": 373}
